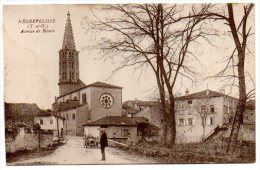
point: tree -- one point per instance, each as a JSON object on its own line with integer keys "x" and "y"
{"x": 236, "y": 63}
{"x": 158, "y": 37}
{"x": 203, "y": 108}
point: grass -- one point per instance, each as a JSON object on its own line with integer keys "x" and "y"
{"x": 208, "y": 152}
{"x": 27, "y": 154}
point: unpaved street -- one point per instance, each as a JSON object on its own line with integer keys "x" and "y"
{"x": 73, "y": 152}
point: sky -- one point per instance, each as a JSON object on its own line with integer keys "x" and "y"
{"x": 31, "y": 59}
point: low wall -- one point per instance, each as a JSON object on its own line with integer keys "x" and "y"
{"x": 27, "y": 141}
{"x": 113, "y": 143}
{"x": 246, "y": 133}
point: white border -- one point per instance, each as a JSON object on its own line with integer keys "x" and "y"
{"x": 255, "y": 166}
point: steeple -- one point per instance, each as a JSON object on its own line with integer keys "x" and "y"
{"x": 68, "y": 62}
{"x": 68, "y": 40}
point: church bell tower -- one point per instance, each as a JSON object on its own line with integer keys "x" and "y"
{"x": 68, "y": 62}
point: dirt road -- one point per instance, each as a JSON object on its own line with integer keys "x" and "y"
{"x": 73, "y": 152}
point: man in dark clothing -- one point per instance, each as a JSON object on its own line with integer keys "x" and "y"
{"x": 103, "y": 144}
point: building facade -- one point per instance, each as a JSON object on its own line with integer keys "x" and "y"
{"x": 49, "y": 121}
{"x": 198, "y": 114}
{"x": 129, "y": 130}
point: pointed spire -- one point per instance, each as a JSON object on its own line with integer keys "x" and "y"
{"x": 68, "y": 40}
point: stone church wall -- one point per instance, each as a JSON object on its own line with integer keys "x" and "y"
{"x": 82, "y": 118}
{"x": 97, "y": 110}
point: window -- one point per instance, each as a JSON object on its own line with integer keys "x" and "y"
{"x": 225, "y": 109}
{"x": 190, "y": 121}
{"x": 106, "y": 100}
{"x": 89, "y": 116}
{"x": 41, "y": 121}
{"x": 190, "y": 111}
{"x": 212, "y": 109}
{"x": 189, "y": 101}
{"x": 203, "y": 109}
{"x": 73, "y": 116}
{"x": 181, "y": 121}
{"x": 212, "y": 121}
{"x": 51, "y": 121}
{"x": 161, "y": 121}
{"x": 125, "y": 132}
{"x": 84, "y": 98}
{"x": 67, "y": 116}
{"x": 75, "y": 98}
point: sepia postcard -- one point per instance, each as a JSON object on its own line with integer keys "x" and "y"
{"x": 127, "y": 84}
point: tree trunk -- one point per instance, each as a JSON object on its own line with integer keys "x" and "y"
{"x": 240, "y": 47}
{"x": 162, "y": 106}
{"x": 172, "y": 119}
{"x": 238, "y": 119}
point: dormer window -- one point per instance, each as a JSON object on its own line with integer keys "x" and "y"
{"x": 189, "y": 101}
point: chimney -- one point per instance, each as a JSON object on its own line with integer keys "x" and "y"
{"x": 187, "y": 92}
{"x": 135, "y": 104}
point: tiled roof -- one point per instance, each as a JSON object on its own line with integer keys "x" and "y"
{"x": 44, "y": 113}
{"x": 21, "y": 109}
{"x": 100, "y": 84}
{"x": 129, "y": 109}
{"x": 20, "y": 113}
{"x": 118, "y": 121}
{"x": 142, "y": 103}
{"x": 96, "y": 84}
{"x": 202, "y": 94}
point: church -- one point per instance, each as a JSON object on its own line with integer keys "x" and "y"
{"x": 77, "y": 102}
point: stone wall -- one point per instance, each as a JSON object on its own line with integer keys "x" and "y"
{"x": 27, "y": 141}
{"x": 69, "y": 126}
{"x": 82, "y": 116}
{"x": 246, "y": 132}
{"x": 97, "y": 111}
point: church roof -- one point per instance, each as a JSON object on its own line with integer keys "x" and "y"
{"x": 100, "y": 84}
{"x": 68, "y": 40}
{"x": 96, "y": 84}
{"x": 118, "y": 121}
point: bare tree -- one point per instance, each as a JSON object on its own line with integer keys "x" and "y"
{"x": 157, "y": 37}
{"x": 203, "y": 108}
{"x": 236, "y": 64}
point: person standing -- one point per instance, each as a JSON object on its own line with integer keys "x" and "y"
{"x": 103, "y": 144}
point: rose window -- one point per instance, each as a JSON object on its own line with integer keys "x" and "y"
{"x": 106, "y": 100}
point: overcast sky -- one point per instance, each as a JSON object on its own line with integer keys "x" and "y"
{"x": 31, "y": 59}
